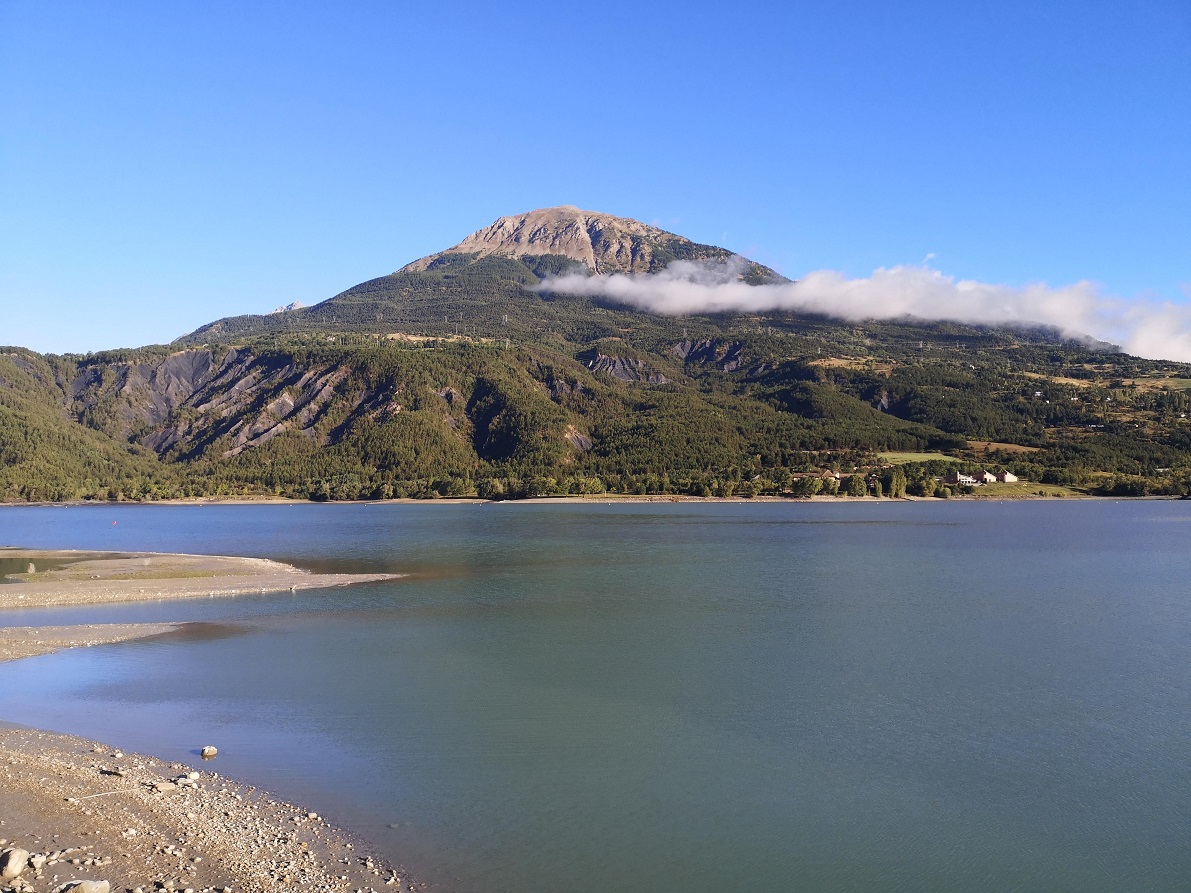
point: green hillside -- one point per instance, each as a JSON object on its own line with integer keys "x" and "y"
{"x": 485, "y": 298}
{"x": 46, "y": 455}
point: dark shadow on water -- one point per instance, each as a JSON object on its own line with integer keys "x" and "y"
{"x": 322, "y": 565}
{"x": 200, "y": 631}
{"x": 418, "y": 569}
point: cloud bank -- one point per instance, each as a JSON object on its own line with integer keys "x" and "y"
{"x": 1154, "y": 329}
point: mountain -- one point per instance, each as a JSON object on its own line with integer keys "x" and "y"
{"x": 459, "y": 374}
{"x": 485, "y": 285}
{"x": 601, "y": 243}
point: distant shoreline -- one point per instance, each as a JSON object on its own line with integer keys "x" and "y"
{"x": 598, "y": 499}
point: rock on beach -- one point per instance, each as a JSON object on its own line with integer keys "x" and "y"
{"x": 13, "y": 862}
{"x": 87, "y": 887}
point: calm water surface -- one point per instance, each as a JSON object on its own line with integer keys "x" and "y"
{"x": 819, "y": 697}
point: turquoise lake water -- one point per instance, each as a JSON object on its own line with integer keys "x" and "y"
{"x": 676, "y": 697}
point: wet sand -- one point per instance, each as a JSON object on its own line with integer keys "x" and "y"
{"x": 86, "y": 811}
{"x": 29, "y": 641}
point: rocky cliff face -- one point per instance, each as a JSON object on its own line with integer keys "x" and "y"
{"x": 190, "y": 398}
{"x": 600, "y": 242}
{"x": 219, "y": 403}
{"x": 727, "y": 355}
{"x": 627, "y": 369}
{"x": 122, "y": 396}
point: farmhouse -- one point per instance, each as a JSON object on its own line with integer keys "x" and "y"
{"x": 956, "y": 478}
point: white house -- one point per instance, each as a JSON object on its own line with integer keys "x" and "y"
{"x": 962, "y": 480}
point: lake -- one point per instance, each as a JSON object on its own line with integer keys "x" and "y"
{"x": 950, "y": 696}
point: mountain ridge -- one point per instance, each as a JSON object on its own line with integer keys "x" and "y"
{"x": 603, "y": 243}
{"x": 487, "y": 283}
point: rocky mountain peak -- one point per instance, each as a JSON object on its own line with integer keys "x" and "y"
{"x": 601, "y": 242}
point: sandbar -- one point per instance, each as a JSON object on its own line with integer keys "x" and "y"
{"x": 89, "y": 578}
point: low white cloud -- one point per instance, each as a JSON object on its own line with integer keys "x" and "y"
{"x": 1155, "y": 329}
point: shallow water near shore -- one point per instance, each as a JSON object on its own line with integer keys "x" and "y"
{"x": 675, "y": 697}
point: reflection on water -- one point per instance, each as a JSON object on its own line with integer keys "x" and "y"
{"x": 198, "y": 631}
{"x": 22, "y": 566}
{"x": 678, "y": 697}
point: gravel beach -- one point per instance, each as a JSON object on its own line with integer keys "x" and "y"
{"x": 138, "y": 823}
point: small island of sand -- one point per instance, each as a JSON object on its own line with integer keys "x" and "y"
{"x": 82, "y": 578}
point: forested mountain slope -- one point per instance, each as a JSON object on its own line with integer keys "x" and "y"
{"x": 45, "y": 452}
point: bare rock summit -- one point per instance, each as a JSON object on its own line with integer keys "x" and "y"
{"x": 601, "y": 242}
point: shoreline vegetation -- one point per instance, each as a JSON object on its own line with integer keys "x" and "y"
{"x": 1029, "y": 491}
{"x": 77, "y": 810}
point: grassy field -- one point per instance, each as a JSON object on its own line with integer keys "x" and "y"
{"x": 1021, "y": 489}
{"x": 903, "y": 458}
{"x": 984, "y": 446}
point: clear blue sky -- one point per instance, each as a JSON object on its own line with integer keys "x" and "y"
{"x": 166, "y": 164}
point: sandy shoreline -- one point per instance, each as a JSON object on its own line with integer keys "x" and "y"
{"x": 17, "y": 642}
{"x": 83, "y": 811}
